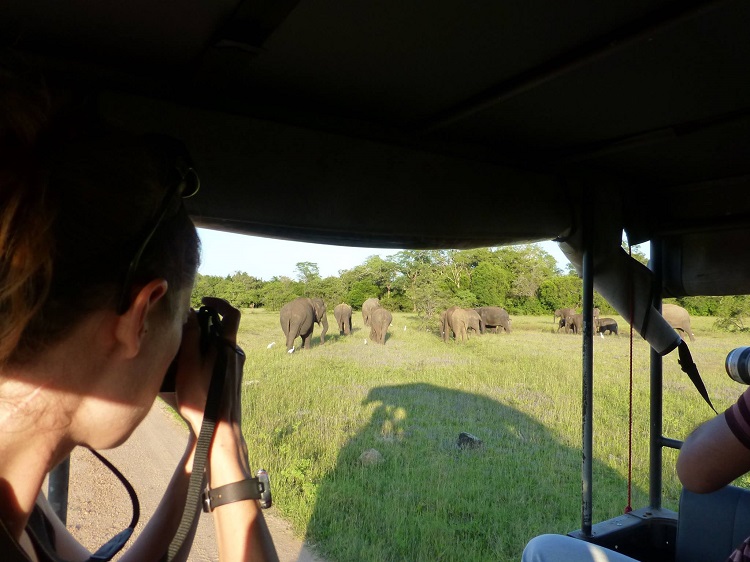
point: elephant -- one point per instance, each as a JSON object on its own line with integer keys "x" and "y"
{"x": 380, "y": 319}
{"x": 562, "y": 313}
{"x": 566, "y": 322}
{"x": 459, "y": 321}
{"x": 367, "y": 307}
{"x": 445, "y": 328}
{"x": 572, "y": 323}
{"x": 343, "y": 314}
{"x": 298, "y": 318}
{"x": 494, "y": 317}
{"x": 604, "y": 325}
{"x": 678, "y": 318}
{"x": 474, "y": 321}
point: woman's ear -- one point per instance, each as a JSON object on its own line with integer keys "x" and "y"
{"x": 131, "y": 325}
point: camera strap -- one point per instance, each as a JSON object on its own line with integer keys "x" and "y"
{"x": 689, "y": 367}
{"x": 115, "y": 544}
{"x": 205, "y": 436}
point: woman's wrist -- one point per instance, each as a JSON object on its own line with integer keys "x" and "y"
{"x": 228, "y": 458}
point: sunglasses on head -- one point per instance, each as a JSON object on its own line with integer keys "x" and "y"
{"x": 183, "y": 183}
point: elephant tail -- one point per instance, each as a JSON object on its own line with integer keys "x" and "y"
{"x": 290, "y": 336}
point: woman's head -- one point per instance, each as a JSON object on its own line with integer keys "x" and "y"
{"x": 88, "y": 214}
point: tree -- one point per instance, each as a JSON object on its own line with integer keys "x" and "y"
{"x": 491, "y": 284}
{"x": 560, "y": 292}
{"x": 634, "y": 251}
{"x": 417, "y": 266}
{"x": 360, "y": 292}
{"x": 454, "y": 267}
{"x": 529, "y": 266}
{"x": 278, "y": 292}
{"x": 307, "y": 271}
{"x": 734, "y": 313}
{"x": 382, "y": 272}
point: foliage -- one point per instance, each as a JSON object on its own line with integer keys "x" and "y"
{"x": 734, "y": 313}
{"x": 279, "y": 292}
{"x": 561, "y": 292}
{"x": 360, "y": 292}
{"x": 699, "y": 306}
{"x": 491, "y": 284}
{"x": 523, "y": 279}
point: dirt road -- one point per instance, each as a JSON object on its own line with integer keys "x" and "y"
{"x": 99, "y": 506}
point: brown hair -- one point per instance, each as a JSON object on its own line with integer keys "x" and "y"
{"x": 75, "y": 198}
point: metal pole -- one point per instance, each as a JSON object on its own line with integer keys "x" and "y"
{"x": 587, "y": 393}
{"x": 656, "y": 390}
{"x": 57, "y": 493}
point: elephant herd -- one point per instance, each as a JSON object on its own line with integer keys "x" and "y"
{"x": 460, "y": 320}
{"x": 572, "y": 321}
{"x": 298, "y": 318}
{"x": 377, "y": 318}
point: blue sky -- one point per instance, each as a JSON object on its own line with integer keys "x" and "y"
{"x": 225, "y": 253}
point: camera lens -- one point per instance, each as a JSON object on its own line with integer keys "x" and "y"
{"x": 738, "y": 364}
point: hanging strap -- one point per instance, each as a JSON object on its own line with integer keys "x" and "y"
{"x": 205, "y": 436}
{"x": 689, "y": 367}
{"x": 115, "y": 544}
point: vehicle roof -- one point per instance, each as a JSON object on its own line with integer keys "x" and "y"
{"x": 434, "y": 124}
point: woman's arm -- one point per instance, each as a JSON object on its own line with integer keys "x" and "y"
{"x": 712, "y": 456}
{"x": 156, "y": 536}
{"x": 154, "y": 540}
{"x": 241, "y": 530}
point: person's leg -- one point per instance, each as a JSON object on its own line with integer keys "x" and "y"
{"x": 562, "y": 548}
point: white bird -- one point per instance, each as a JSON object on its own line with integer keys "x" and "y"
{"x": 291, "y": 350}
{"x": 270, "y": 345}
{"x": 365, "y": 342}
{"x": 404, "y": 328}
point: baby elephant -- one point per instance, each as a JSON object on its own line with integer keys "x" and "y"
{"x": 605, "y": 325}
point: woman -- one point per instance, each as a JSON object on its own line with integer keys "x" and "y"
{"x": 97, "y": 260}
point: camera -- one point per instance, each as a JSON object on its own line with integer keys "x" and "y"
{"x": 211, "y": 328}
{"x": 738, "y": 364}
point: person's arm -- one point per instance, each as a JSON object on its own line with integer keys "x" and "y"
{"x": 156, "y": 535}
{"x": 718, "y": 451}
{"x": 162, "y": 526}
{"x": 241, "y": 530}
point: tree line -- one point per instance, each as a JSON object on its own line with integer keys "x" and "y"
{"x": 523, "y": 279}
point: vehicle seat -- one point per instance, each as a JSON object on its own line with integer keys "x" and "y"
{"x": 711, "y": 526}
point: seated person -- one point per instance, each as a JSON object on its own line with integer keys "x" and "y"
{"x": 715, "y": 454}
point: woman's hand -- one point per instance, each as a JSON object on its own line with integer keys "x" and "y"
{"x": 229, "y": 456}
{"x": 195, "y": 368}
{"x": 228, "y": 460}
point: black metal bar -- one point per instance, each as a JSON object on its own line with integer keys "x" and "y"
{"x": 587, "y": 393}
{"x": 57, "y": 489}
{"x": 656, "y": 391}
{"x": 671, "y": 443}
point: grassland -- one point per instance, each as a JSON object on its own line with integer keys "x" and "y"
{"x": 310, "y": 415}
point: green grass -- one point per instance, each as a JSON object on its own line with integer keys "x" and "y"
{"x": 309, "y": 416}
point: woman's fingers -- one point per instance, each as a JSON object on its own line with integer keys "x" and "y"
{"x": 230, "y": 316}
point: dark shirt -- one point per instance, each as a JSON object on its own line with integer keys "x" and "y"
{"x": 738, "y": 420}
{"x": 42, "y": 536}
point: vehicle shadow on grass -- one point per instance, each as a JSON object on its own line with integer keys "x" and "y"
{"x": 430, "y": 499}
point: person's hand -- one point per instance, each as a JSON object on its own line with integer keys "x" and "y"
{"x": 229, "y": 456}
{"x": 195, "y": 368}
{"x": 228, "y": 450}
